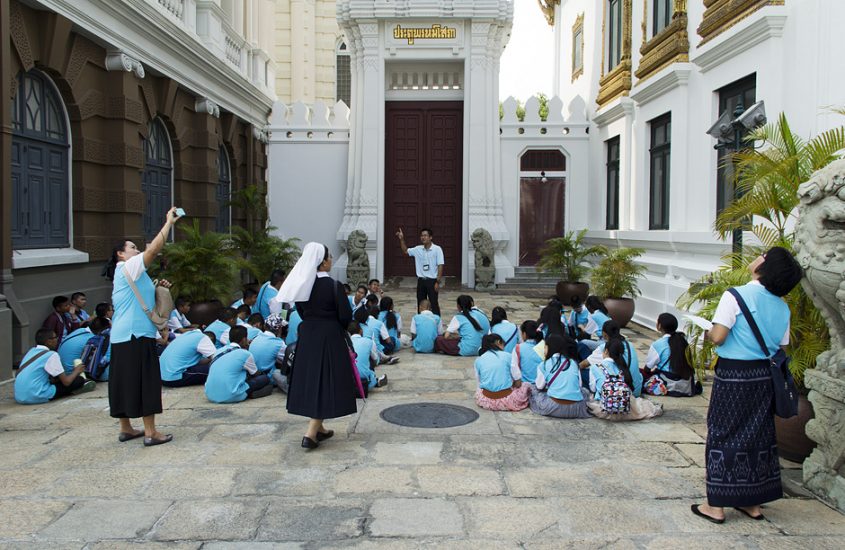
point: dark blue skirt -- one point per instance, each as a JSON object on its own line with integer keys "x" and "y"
{"x": 741, "y": 453}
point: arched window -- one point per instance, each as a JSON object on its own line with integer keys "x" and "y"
{"x": 157, "y": 180}
{"x": 224, "y": 192}
{"x": 343, "y": 75}
{"x": 40, "y": 165}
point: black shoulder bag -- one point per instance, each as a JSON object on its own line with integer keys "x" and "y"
{"x": 785, "y": 392}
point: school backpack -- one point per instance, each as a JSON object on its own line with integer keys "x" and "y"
{"x": 94, "y": 355}
{"x": 615, "y": 395}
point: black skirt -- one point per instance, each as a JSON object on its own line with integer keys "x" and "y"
{"x": 134, "y": 379}
{"x": 741, "y": 453}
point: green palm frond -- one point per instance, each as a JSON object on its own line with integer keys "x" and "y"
{"x": 568, "y": 255}
{"x": 617, "y": 275}
{"x": 200, "y": 265}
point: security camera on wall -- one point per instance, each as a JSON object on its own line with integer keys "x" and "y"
{"x": 754, "y": 116}
{"x": 722, "y": 128}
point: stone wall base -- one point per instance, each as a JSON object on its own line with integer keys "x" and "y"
{"x": 824, "y": 469}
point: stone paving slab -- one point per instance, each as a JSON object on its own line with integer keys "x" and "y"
{"x": 235, "y": 477}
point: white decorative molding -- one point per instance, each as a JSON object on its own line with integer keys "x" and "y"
{"x": 22, "y": 259}
{"x": 300, "y": 123}
{"x": 205, "y": 105}
{"x": 766, "y": 23}
{"x": 116, "y": 60}
{"x": 668, "y": 78}
{"x": 613, "y": 111}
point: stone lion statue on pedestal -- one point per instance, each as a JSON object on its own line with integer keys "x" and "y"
{"x": 485, "y": 260}
{"x": 358, "y": 262}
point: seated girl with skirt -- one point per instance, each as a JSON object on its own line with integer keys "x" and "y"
{"x": 667, "y": 370}
{"x": 392, "y": 322}
{"x": 465, "y": 331}
{"x": 614, "y": 364}
{"x": 499, "y": 384}
{"x": 557, "y": 389}
{"x": 500, "y": 325}
{"x": 524, "y": 357}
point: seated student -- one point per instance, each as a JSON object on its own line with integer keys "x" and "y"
{"x": 524, "y": 357}
{"x": 425, "y": 328}
{"x": 59, "y": 321}
{"x": 178, "y": 323}
{"x": 374, "y": 289}
{"x": 294, "y": 319}
{"x": 104, "y": 310}
{"x": 71, "y": 347}
{"x": 549, "y": 322}
{"x": 557, "y": 388}
{"x": 254, "y": 326}
{"x": 375, "y": 330}
{"x": 268, "y": 350}
{"x": 41, "y": 376}
{"x": 186, "y": 360}
{"x": 366, "y": 357}
{"x": 612, "y": 398}
{"x": 242, "y": 314}
{"x": 162, "y": 339}
{"x": 499, "y": 384}
{"x": 500, "y": 325}
{"x": 598, "y": 317}
{"x": 610, "y": 330}
{"x": 347, "y": 290}
{"x": 667, "y": 369}
{"x": 78, "y": 300}
{"x": 465, "y": 331}
{"x": 578, "y": 317}
{"x": 99, "y": 326}
{"x": 358, "y": 299}
{"x": 393, "y": 322}
{"x": 226, "y": 319}
{"x": 249, "y": 299}
{"x": 233, "y": 375}
{"x": 267, "y": 292}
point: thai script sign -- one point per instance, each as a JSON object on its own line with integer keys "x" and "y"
{"x": 435, "y": 32}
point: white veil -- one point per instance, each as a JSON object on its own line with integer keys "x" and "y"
{"x": 297, "y": 287}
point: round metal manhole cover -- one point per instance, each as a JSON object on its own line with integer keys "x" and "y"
{"x": 429, "y": 415}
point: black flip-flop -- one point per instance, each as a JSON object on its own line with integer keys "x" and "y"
{"x": 699, "y": 513}
{"x": 322, "y": 436}
{"x": 124, "y": 436}
{"x": 755, "y": 518}
{"x": 151, "y": 441}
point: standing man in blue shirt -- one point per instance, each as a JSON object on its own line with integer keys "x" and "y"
{"x": 428, "y": 259}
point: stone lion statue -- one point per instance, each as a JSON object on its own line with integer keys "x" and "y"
{"x": 485, "y": 263}
{"x": 820, "y": 249}
{"x": 358, "y": 264}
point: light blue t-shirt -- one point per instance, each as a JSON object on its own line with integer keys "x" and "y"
{"x": 427, "y": 260}
{"x": 262, "y": 304}
{"x": 32, "y": 384}
{"x": 181, "y": 354}
{"x": 72, "y": 346}
{"x": 129, "y": 318}
{"x": 567, "y": 384}
{"x": 293, "y": 328}
{"x": 661, "y": 348}
{"x": 217, "y": 328}
{"x": 372, "y": 330}
{"x": 470, "y": 342}
{"x": 393, "y": 332}
{"x": 509, "y": 333}
{"x": 226, "y": 381}
{"x": 772, "y": 316}
{"x": 426, "y": 326}
{"x": 528, "y": 361}
{"x": 579, "y": 318}
{"x": 630, "y": 356}
{"x": 599, "y": 318}
{"x": 363, "y": 350}
{"x": 494, "y": 370}
{"x": 237, "y": 303}
{"x": 265, "y": 350}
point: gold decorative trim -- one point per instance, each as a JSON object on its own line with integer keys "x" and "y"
{"x": 669, "y": 46}
{"x": 617, "y": 82}
{"x": 720, "y": 15}
{"x": 578, "y": 26}
{"x": 548, "y": 9}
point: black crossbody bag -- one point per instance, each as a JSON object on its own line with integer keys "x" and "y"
{"x": 785, "y": 392}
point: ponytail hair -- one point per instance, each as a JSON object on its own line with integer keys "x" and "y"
{"x": 550, "y": 317}
{"x": 111, "y": 265}
{"x": 465, "y": 304}
{"x": 616, "y": 350}
{"x": 386, "y": 304}
{"x": 612, "y": 330}
{"x": 594, "y": 303}
{"x": 678, "y": 362}
{"x": 557, "y": 345}
{"x": 497, "y": 316}
{"x": 489, "y": 343}
{"x": 530, "y": 329}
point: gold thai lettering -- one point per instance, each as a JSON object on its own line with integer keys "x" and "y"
{"x": 435, "y": 32}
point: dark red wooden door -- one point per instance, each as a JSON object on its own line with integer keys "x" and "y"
{"x": 423, "y": 180}
{"x": 540, "y": 215}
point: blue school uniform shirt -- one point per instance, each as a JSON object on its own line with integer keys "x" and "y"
{"x": 293, "y": 328}
{"x": 661, "y": 349}
{"x": 32, "y": 384}
{"x": 579, "y": 318}
{"x": 372, "y": 330}
{"x": 181, "y": 354}
{"x": 72, "y": 346}
{"x": 262, "y": 304}
{"x": 426, "y": 326}
{"x": 528, "y": 361}
{"x": 129, "y": 318}
{"x": 630, "y": 356}
{"x": 237, "y": 303}
{"x": 567, "y": 384}
{"x": 364, "y": 351}
{"x": 265, "y": 350}
{"x": 226, "y": 381}
{"x": 217, "y": 328}
{"x": 509, "y": 333}
{"x": 494, "y": 370}
{"x": 470, "y": 337}
{"x": 599, "y": 318}
{"x": 772, "y": 316}
{"x": 393, "y": 332}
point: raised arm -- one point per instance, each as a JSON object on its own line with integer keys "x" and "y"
{"x": 402, "y": 244}
{"x": 155, "y": 247}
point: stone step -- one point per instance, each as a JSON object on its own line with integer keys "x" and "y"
{"x": 509, "y": 283}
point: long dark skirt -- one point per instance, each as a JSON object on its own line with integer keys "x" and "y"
{"x": 741, "y": 452}
{"x": 134, "y": 379}
{"x": 321, "y": 383}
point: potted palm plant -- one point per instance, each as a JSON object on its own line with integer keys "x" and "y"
{"x": 261, "y": 252}
{"x": 568, "y": 255}
{"x": 201, "y": 267}
{"x": 616, "y": 281}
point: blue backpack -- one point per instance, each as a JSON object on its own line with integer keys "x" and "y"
{"x": 94, "y": 355}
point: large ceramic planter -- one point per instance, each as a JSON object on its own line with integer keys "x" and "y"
{"x": 793, "y": 443}
{"x": 620, "y": 310}
{"x": 204, "y": 313}
{"x": 565, "y": 290}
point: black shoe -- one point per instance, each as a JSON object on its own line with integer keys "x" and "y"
{"x": 382, "y": 381}
{"x": 308, "y": 443}
{"x": 152, "y": 441}
{"x": 322, "y": 436}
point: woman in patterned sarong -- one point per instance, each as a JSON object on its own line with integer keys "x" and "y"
{"x": 743, "y": 470}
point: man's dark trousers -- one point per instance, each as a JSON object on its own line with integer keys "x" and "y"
{"x": 425, "y": 290}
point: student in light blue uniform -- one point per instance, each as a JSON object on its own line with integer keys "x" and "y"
{"x": 611, "y": 330}
{"x": 392, "y": 322}
{"x": 267, "y": 292}
{"x": 614, "y": 362}
{"x": 254, "y": 327}
{"x": 372, "y": 328}
{"x": 294, "y": 320}
{"x": 42, "y": 377}
{"x": 233, "y": 376}
{"x": 249, "y": 298}
{"x": 557, "y": 389}
{"x": 225, "y": 320}
{"x": 667, "y": 359}
{"x": 578, "y": 317}
{"x": 186, "y": 360}
{"x": 366, "y": 357}
{"x": 499, "y": 386}
{"x": 178, "y": 322}
{"x": 524, "y": 357}
{"x": 72, "y": 346}
{"x": 358, "y": 299}
{"x": 78, "y": 300}
{"x": 243, "y": 313}
{"x": 550, "y": 319}
{"x": 465, "y": 331}
{"x": 425, "y": 328}
{"x": 267, "y": 349}
{"x": 598, "y": 317}
{"x": 504, "y": 328}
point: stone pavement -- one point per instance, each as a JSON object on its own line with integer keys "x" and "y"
{"x": 235, "y": 476}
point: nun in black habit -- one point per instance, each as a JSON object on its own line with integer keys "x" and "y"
{"x": 322, "y": 384}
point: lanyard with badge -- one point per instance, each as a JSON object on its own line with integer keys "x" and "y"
{"x": 426, "y": 260}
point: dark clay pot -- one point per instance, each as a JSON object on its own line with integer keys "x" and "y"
{"x": 620, "y": 310}
{"x": 204, "y": 313}
{"x": 793, "y": 443}
{"x": 566, "y": 290}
